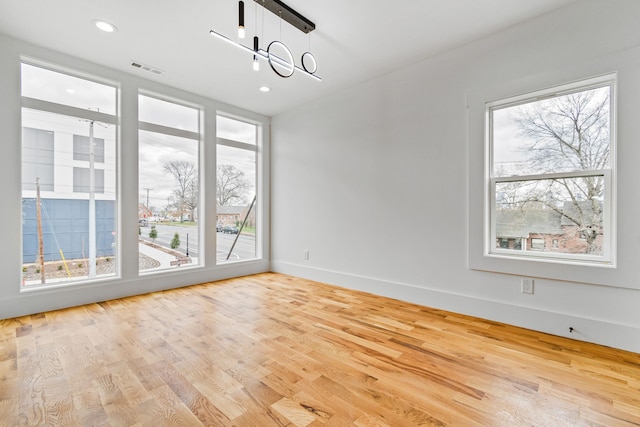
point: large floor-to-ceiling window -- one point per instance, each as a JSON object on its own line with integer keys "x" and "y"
{"x": 237, "y": 187}
{"x": 69, "y": 176}
{"x": 169, "y": 184}
{"x": 132, "y": 185}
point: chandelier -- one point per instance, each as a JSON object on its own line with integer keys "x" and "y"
{"x": 277, "y": 54}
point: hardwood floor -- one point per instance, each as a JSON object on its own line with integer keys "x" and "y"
{"x": 273, "y": 350}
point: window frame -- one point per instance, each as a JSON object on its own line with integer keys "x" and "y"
{"x": 114, "y": 119}
{"x": 197, "y": 136}
{"x": 257, "y": 149}
{"x": 608, "y": 257}
{"x": 128, "y": 278}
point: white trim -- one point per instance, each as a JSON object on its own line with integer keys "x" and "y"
{"x": 69, "y": 71}
{"x": 625, "y": 66}
{"x": 40, "y": 105}
{"x": 237, "y": 144}
{"x": 67, "y": 110}
{"x": 261, "y": 177}
{"x": 199, "y": 139}
{"x": 547, "y": 176}
{"x": 603, "y": 80}
{"x": 168, "y": 98}
{"x": 168, "y": 130}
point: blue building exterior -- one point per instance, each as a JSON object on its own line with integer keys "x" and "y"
{"x": 65, "y": 227}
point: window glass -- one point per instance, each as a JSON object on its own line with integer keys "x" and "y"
{"x": 169, "y": 190}
{"x": 559, "y": 134}
{"x": 159, "y": 112}
{"x": 551, "y": 209}
{"x": 69, "y": 206}
{"x": 37, "y": 159}
{"x": 82, "y": 180}
{"x": 82, "y": 148}
{"x": 47, "y": 85}
{"x": 551, "y": 173}
{"x": 236, "y": 130}
{"x": 236, "y": 203}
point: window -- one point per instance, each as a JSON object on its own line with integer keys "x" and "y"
{"x": 37, "y": 159}
{"x": 69, "y": 169}
{"x": 537, "y": 244}
{"x": 82, "y": 148}
{"x": 82, "y": 180}
{"x": 551, "y": 171}
{"x": 236, "y": 189}
{"x": 169, "y": 184}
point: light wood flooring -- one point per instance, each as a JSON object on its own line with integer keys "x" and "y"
{"x": 273, "y": 350}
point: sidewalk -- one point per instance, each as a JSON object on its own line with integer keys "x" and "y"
{"x": 162, "y": 257}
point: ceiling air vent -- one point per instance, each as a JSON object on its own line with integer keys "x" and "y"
{"x": 147, "y": 68}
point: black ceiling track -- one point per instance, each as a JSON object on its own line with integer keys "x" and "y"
{"x": 288, "y": 14}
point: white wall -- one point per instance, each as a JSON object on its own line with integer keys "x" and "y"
{"x": 13, "y": 301}
{"x": 375, "y": 181}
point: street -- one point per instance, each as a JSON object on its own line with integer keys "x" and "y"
{"x": 245, "y": 246}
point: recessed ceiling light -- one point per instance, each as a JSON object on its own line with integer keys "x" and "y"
{"x": 105, "y": 26}
{"x": 265, "y": 89}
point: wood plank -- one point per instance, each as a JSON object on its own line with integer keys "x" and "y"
{"x": 275, "y": 350}
{"x": 294, "y": 412}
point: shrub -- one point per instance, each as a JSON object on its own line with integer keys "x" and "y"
{"x": 153, "y": 233}
{"x": 175, "y": 242}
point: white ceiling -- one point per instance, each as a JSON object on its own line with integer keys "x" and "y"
{"x": 354, "y": 40}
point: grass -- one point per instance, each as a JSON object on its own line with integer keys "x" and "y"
{"x": 248, "y": 230}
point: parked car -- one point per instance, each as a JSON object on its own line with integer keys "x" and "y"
{"x": 219, "y": 227}
{"x": 142, "y": 222}
{"x": 230, "y": 229}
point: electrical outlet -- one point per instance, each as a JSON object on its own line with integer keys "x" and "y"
{"x": 527, "y": 285}
{"x": 306, "y": 254}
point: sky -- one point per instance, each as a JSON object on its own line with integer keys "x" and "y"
{"x": 157, "y": 149}
{"x": 510, "y": 146}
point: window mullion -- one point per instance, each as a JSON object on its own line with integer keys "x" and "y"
{"x": 561, "y": 175}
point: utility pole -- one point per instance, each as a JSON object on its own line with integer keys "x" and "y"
{"x": 92, "y": 199}
{"x": 148, "y": 189}
{"x": 92, "y": 203}
{"x": 40, "y": 237}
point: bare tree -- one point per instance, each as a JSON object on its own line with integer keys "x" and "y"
{"x": 186, "y": 176}
{"x": 568, "y": 133}
{"x": 191, "y": 198}
{"x": 231, "y": 185}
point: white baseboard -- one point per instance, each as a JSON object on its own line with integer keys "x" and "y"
{"x": 614, "y": 335}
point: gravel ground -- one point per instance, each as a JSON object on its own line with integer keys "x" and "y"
{"x": 56, "y": 269}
